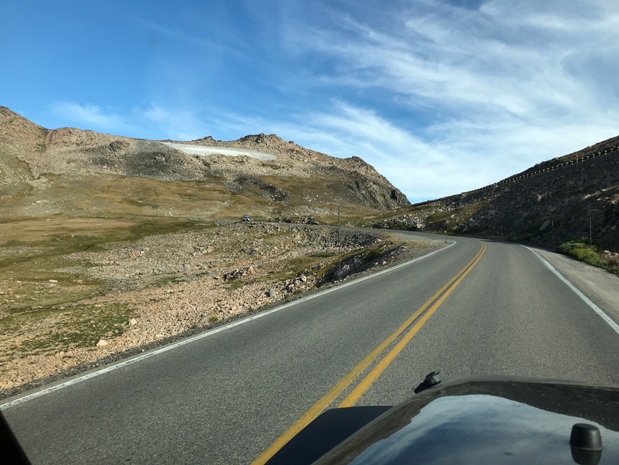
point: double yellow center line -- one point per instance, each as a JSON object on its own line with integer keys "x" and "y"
{"x": 427, "y": 310}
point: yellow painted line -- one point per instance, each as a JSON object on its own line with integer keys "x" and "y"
{"x": 373, "y": 375}
{"x": 336, "y": 390}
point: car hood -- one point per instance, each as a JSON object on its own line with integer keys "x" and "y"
{"x": 491, "y": 420}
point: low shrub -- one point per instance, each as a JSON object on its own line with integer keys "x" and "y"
{"x": 588, "y": 253}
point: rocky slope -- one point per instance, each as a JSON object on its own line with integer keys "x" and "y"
{"x": 566, "y": 198}
{"x": 297, "y": 181}
{"x": 67, "y": 310}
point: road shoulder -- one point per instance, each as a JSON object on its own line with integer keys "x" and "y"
{"x": 599, "y": 285}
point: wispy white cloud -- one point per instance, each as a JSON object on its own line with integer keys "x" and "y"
{"x": 421, "y": 169}
{"x": 153, "y": 121}
{"x": 481, "y": 93}
{"x": 176, "y": 123}
{"x": 90, "y": 116}
{"x": 453, "y": 63}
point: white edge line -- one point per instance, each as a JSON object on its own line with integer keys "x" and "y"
{"x": 203, "y": 335}
{"x": 595, "y": 308}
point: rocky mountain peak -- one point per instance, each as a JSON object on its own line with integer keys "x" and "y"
{"x": 292, "y": 180}
{"x": 266, "y": 139}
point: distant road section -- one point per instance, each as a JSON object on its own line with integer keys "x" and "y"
{"x": 206, "y": 151}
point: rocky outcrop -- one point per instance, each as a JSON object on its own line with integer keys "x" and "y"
{"x": 361, "y": 183}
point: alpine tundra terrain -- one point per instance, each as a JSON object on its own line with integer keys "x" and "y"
{"x": 109, "y": 244}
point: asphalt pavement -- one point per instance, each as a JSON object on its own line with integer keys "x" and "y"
{"x": 474, "y": 308}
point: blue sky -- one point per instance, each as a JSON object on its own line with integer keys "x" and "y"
{"x": 440, "y": 96}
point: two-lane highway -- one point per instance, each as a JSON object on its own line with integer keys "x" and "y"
{"x": 474, "y": 308}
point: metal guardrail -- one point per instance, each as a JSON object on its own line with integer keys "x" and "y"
{"x": 518, "y": 177}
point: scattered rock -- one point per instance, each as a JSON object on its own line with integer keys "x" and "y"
{"x": 271, "y": 293}
{"x": 238, "y": 273}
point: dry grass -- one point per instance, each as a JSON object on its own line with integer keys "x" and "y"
{"x": 133, "y": 197}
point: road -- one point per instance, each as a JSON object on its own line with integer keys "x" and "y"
{"x": 484, "y": 308}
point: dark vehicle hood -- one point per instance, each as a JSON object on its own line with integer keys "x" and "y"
{"x": 475, "y": 421}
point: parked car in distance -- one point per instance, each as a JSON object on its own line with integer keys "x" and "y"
{"x": 246, "y": 218}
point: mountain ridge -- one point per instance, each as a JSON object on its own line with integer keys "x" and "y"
{"x": 306, "y": 182}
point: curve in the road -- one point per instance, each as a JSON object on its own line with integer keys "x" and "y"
{"x": 417, "y": 320}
